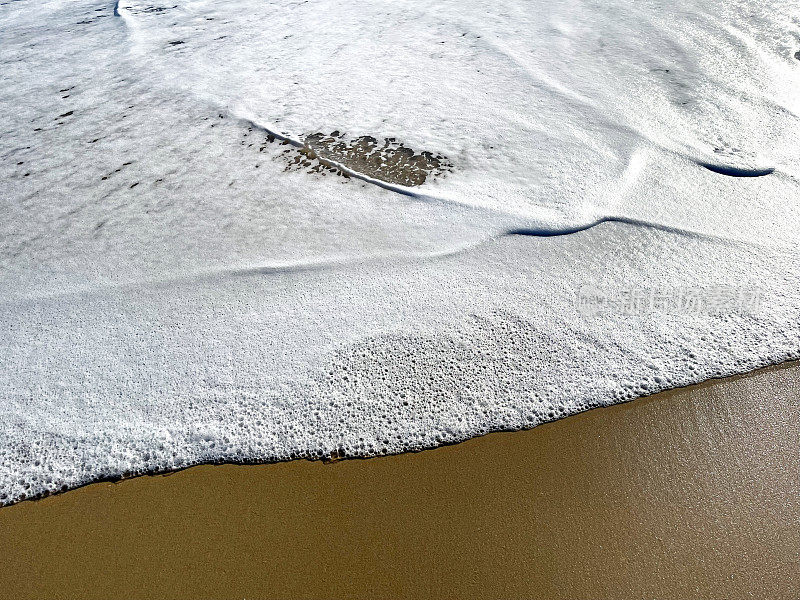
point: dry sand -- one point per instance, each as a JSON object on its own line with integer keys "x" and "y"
{"x": 693, "y": 493}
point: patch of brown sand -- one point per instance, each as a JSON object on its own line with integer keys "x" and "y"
{"x": 389, "y": 161}
{"x": 693, "y": 493}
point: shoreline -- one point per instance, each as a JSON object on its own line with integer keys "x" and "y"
{"x": 690, "y": 492}
{"x": 333, "y": 459}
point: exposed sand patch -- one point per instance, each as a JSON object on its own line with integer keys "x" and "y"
{"x": 389, "y": 160}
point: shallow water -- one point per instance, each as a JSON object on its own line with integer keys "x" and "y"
{"x": 172, "y": 294}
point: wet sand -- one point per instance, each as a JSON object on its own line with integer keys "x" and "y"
{"x": 693, "y": 493}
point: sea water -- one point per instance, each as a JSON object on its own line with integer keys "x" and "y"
{"x": 255, "y": 231}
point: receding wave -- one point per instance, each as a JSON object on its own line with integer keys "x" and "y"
{"x": 245, "y": 231}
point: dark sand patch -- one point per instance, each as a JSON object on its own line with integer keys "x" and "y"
{"x": 688, "y": 494}
{"x": 389, "y": 160}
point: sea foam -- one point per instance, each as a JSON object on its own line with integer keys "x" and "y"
{"x": 192, "y": 273}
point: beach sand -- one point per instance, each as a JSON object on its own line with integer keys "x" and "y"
{"x": 693, "y": 493}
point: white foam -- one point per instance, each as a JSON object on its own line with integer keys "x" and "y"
{"x": 170, "y": 295}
